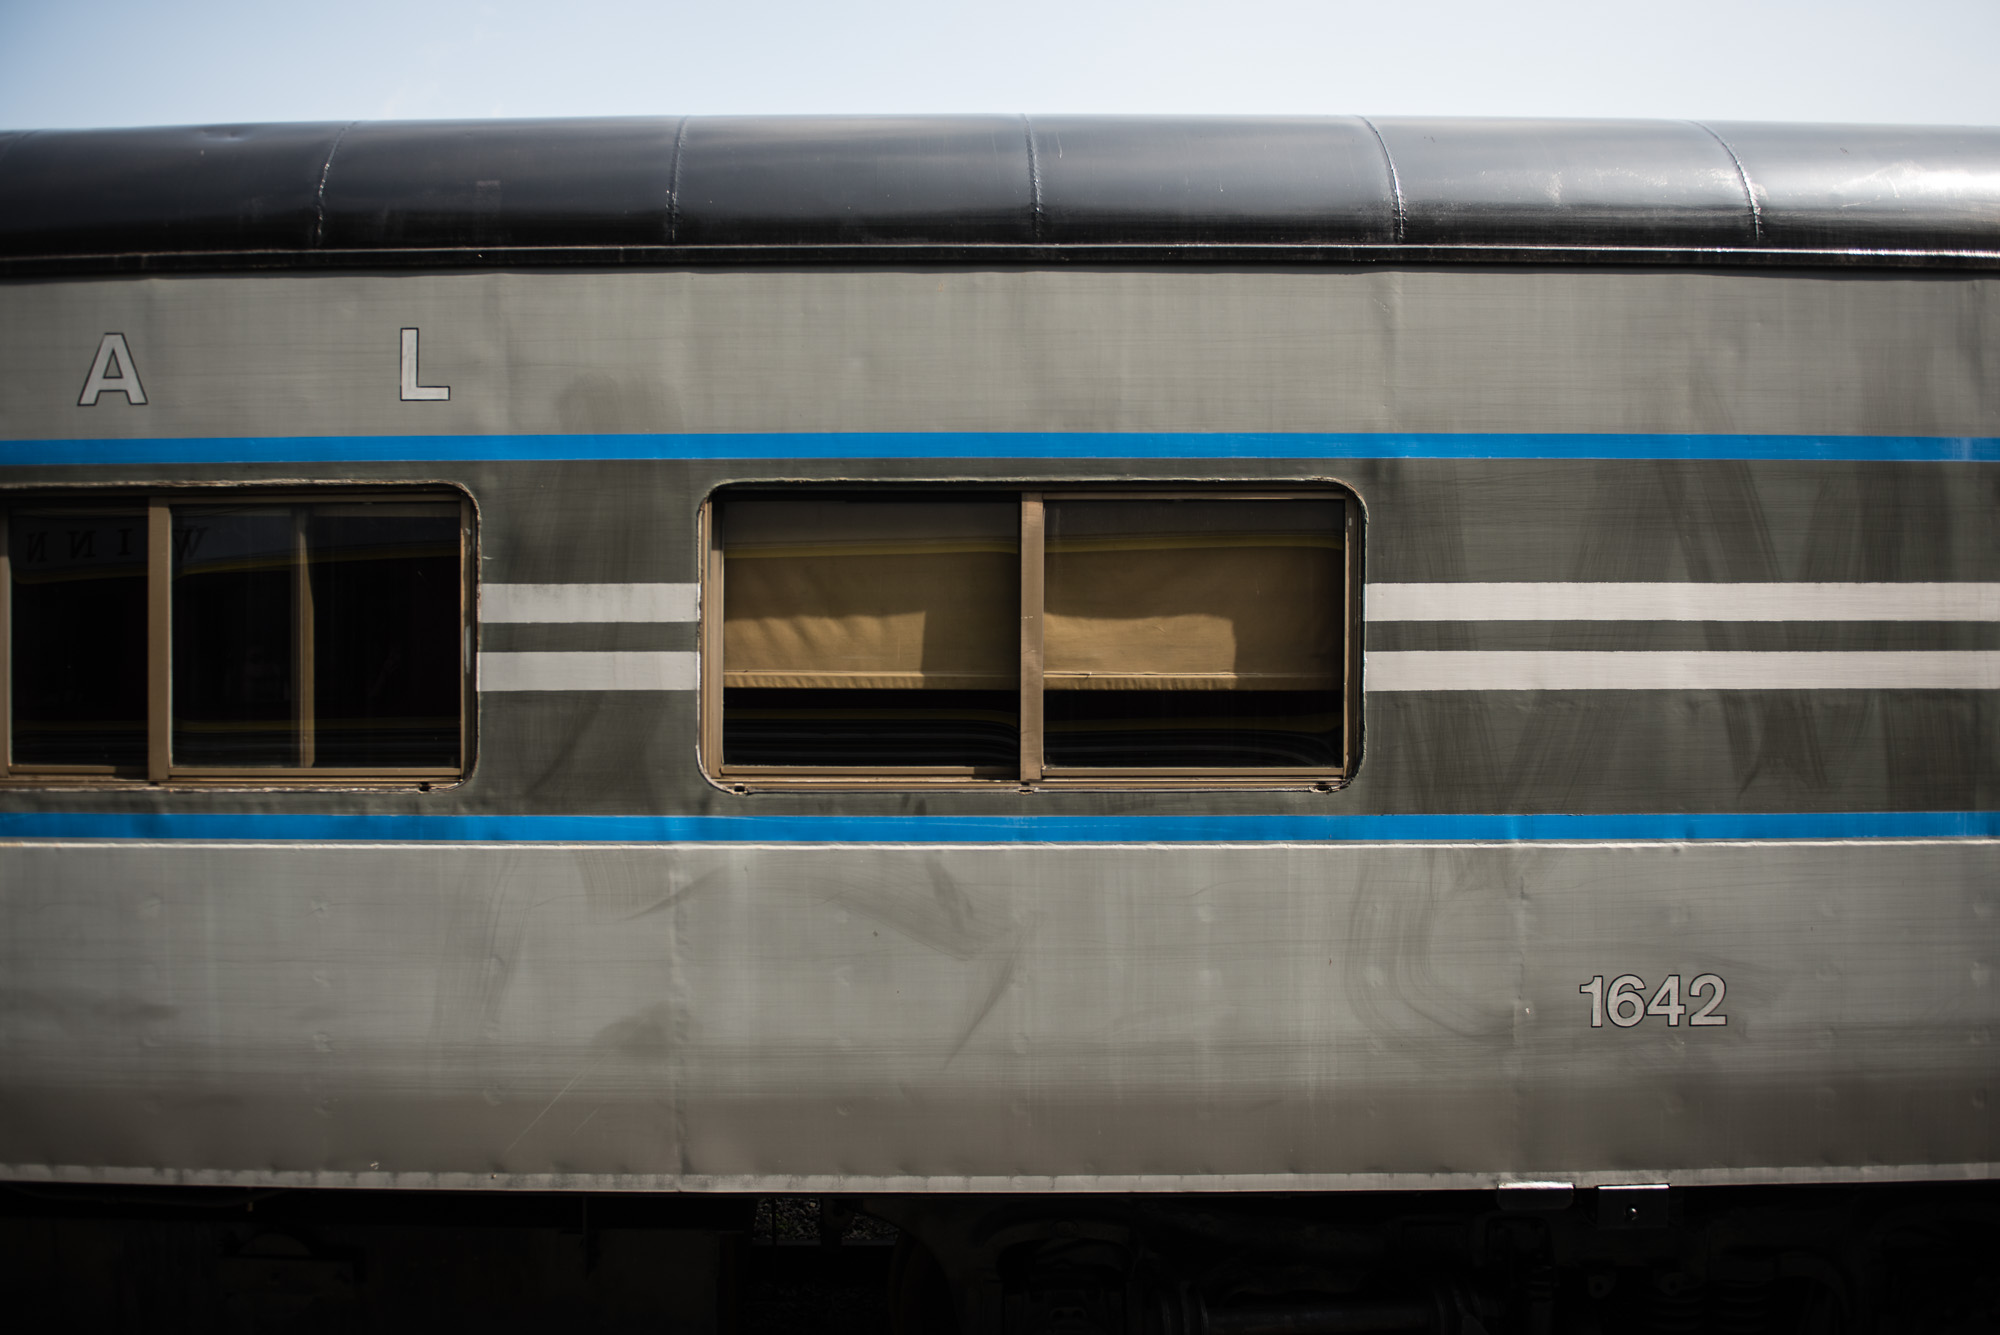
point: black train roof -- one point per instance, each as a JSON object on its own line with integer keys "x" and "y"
{"x": 993, "y": 189}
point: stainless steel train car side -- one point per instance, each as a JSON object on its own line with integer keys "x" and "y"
{"x": 1679, "y": 628}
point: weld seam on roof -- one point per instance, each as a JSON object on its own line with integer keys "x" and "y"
{"x": 674, "y": 182}
{"x": 1743, "y": 178}
{"x": 8, "y": 146}
{"x": 1036, "y": 218}
{"x": 1395, "y": 179}
{"x": 319, "y": 195}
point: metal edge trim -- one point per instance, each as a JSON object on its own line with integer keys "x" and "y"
{"x": 881, "y": 254}
{"x": 849, "y": 1184}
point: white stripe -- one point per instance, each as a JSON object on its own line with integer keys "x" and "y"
{"x": 1695, "y": 670}
{"x": 587, "y": 672}
{"x": 1683, "y": 602}
{"x": 588, "y": 602}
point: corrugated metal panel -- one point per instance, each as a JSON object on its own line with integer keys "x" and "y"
{"x": 1880, "y": 185}
{"x": 217, "y": 187}
{"x": 1576, "y": 183}
{"x": 996, "y": 188}
{"x": 499, "y": 183}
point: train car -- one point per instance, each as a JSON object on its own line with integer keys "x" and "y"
{"x": 1235, "y": 725}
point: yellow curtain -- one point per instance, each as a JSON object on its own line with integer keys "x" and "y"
{"x": 1192, "y": 593}
{"x": 871, "y": 596}
{"x": 1226, "y": 595}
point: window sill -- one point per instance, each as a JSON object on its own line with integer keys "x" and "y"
{"x": 744, "y": 784}
{"x": 373, "y": 781}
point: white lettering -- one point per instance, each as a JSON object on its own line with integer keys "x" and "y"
{"x": 112, "y": 373}
{"x": 1627, "y": 1005}
{"x": 412, "y": 391}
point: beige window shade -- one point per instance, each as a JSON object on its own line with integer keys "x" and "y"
{"x": 871, "y": 595}
{"x": 1194, "y": 595}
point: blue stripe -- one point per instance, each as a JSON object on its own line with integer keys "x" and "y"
{"x": 1647, "y": 827}
{"x": 994, "y": 445}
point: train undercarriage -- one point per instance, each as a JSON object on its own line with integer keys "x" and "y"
{"x": 1539, "y": 1261}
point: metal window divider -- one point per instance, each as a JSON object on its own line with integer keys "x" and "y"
{"x": 6, "y": 646}
{"x": 1033, "y": 525}
{"x": 159, "y": 639}
{"x": 468, "y": 634}
{"x": 709, "y": 727}
{"x": 304, "y": 703}
{"x": 1351, "y": 630}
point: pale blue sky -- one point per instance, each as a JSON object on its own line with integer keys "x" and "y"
{"x": 121, "y": 62}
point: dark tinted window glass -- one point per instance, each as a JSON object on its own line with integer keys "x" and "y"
{"x": 79, "y": 637}
{"x": 236, "y": 686}
{"x": 317, "y": 635}
{"x": 809, "y": 727}
{"x": 1193, "y": 633}
{"x": 1199, "y": 729}
{"x": 871, "y": 631}
{"x": 386, "y": 633}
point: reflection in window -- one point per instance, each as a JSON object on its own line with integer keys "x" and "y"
{"x": 78, "y": 589}
{"x": 236, "y": 688}
{"x": 321, "y": 635}
{"x": 153, "y": 638}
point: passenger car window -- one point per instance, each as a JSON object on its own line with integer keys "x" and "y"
{"x": 1193, "y": 634}
{"x": 871, "y": 631}
{"x": 78, "y": 595}
{"x": 1028, "y": 637}
{"x": 271, "y": 638}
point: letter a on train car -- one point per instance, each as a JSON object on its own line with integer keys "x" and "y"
{"x": 112, "y": 373}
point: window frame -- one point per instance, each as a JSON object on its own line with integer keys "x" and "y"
{"x": 1032, "y": 773}
{"x": 156, "y": 505}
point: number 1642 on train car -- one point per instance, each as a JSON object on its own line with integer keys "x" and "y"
{"x": 1626, "y": 1003}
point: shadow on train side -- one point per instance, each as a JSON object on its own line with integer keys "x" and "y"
{"x": 1546, "y": 1261}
